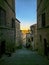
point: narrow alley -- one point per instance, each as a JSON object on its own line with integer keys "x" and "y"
{"x": 24, "y": 57}
{"x": 24, "y": 32}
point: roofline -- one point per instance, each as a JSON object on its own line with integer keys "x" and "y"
{"x": 33, "y": 25}
{"x": 17, "y": 20}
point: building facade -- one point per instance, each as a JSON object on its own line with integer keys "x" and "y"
{"x": 24, "y": 37}
{"x": 7, "y": 25}
{"x": 33, "y": 29}
{"x": 28, "y": 40}
{"x": 43, "y": 25}
{"x": 18, "y": 33}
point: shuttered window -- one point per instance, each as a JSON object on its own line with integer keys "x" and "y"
{"x": 2, "y": 17}
{"x": 43, "y": 20}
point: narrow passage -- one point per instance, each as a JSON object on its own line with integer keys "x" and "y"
{"x": 24, "y": 57}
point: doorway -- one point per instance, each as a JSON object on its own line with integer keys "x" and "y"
{"x": 2, "y": 47}
{"x": 45, "y": 47}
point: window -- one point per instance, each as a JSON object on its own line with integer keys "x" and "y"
{"x": 2, "y": 17}
{"x": 40, "y": 38}
{"x": 31, "y": 38}
{"x": 13, "y": 23}
{"x": 43, "y": 20}
{"x": 13, "y": 4}
{"x": 32, "y": 30}
{"x": 28, "y": 40}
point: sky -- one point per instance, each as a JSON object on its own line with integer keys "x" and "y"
{"x": 26, "y": 12}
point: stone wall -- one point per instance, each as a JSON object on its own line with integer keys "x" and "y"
{"x": 43, "y": 32}
{"x": 7, "y": 32}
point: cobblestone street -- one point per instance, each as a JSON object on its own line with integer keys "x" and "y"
{"x": 24, "y": 57}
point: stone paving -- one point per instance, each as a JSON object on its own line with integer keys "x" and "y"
{"x": 24, "y": 57}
